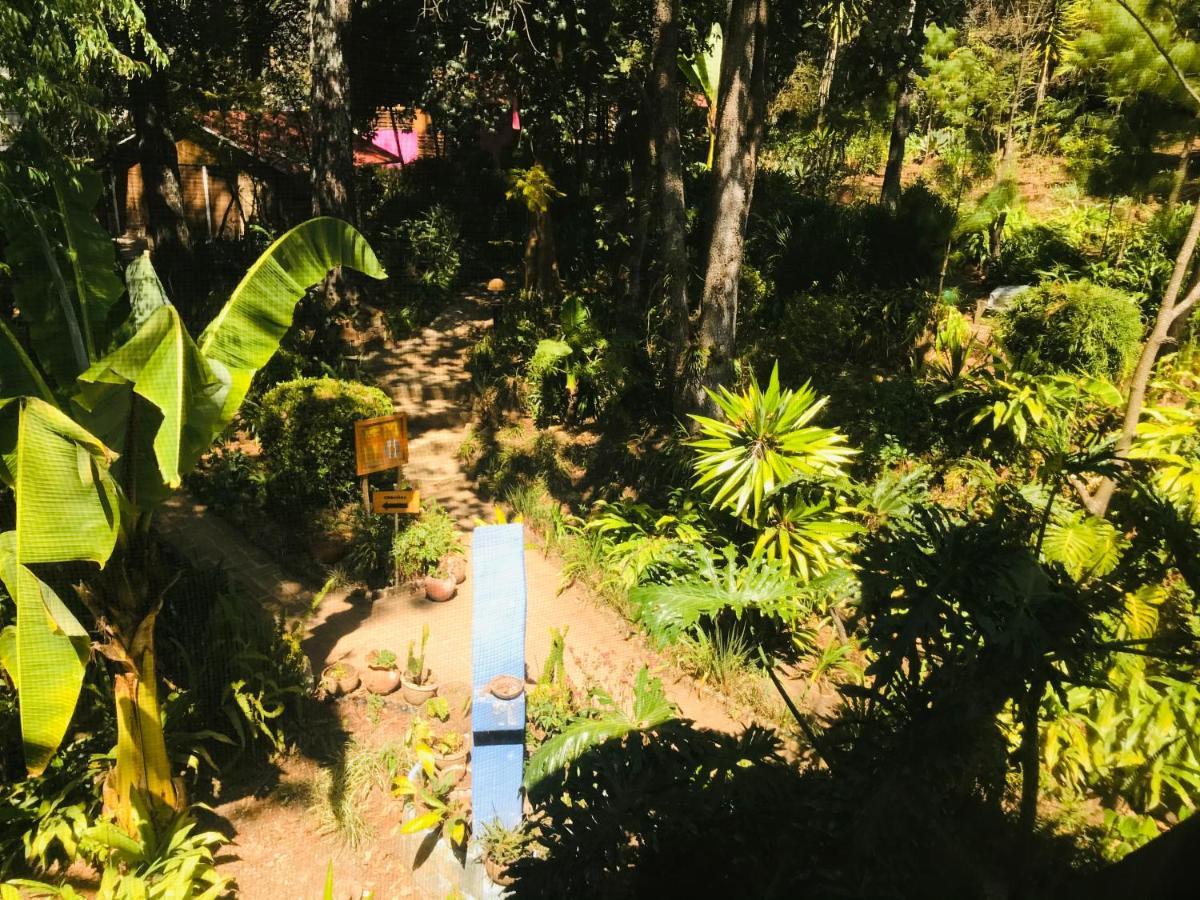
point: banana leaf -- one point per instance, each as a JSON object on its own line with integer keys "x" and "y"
{"x": 154, "y": 400}
{"x": 247, "y": 332}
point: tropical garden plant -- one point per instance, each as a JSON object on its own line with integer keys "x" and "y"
{"x": 769, "y": 466}
{"x": 96, "y": 431}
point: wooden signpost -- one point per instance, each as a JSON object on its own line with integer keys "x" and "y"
{"x": 381, "y": 444}
{"x": 404, "y": 503}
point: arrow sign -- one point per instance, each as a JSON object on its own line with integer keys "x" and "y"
{"x": 397, "y": 503}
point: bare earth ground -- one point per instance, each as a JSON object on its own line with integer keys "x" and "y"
{"x": 279, "y": 850}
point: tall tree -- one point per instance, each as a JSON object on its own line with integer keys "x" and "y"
{"x": 149, "y": 109}
{"x": 918, "y": 11}
{"x": 671, "y": 206}
{"x": 332, "y": 153}
{"x": 1157, "y": 39}
{"x": 741, "y": 119}
{"x": 845, "y": 17}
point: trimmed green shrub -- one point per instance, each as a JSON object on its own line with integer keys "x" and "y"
{"x": 1073, "y": 326}
{"x": 306, "y": 428}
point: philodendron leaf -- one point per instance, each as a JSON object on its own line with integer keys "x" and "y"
{"x": 44, "y": 655}
{"x": 247, "y": 331}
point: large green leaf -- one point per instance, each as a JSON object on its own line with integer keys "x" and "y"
{"x": 146, "y": 295}
{"x": 247, "y": 332}
{"x": 162, "y": 366}
{"x": 44, "y": 655}
{"x": 668, "y": 610}
{"x": 66, "y": 500}
{"x": 651, "y": 708}
{"x": 64, "y": 267}
{"x": 89, "y": 251}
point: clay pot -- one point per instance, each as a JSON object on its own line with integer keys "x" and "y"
{"x": 497, "y": 872}
{"x": 456, "y": 758}
{"x": 439, "y": 590}
{"x": 381, "y": 681}
{"x": 340, "y": 685}
{"x": 417, "y": 694}
{"x": 456, "y": 568}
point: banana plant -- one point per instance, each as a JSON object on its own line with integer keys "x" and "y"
{"x": 703, "y": 72}
{"x": 99, "y": 422}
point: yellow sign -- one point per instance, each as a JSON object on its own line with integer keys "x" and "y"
{"x": 381, "y": 444}
{"x": 398, "y": 503}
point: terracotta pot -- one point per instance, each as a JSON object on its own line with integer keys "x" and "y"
{"x": 497, "y": 872}
{"x": 340, "y": 685}
{"x": 457, "y": 757}
{"x": 381, "y": 681}
{"x": 417, "y": 694}
{"x": 456, "y": 568}
{"x": 439, "y": 590}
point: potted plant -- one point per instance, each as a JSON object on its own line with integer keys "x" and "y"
{"x": 449, "y": 749}
{"x": 339, "y": 679}
{"x": 417, "y": 681}
{"x": 501, "y": 848}
{"x": 440, "y": 585}
{"x": 425, "y": 551}
{"x": 437, "y": 806}
{"x": 383, "y": 672}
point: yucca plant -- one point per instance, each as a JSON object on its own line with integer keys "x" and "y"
{"x": 770, "y": 467}
{"x": 98, "y": 424}
{"x": 765, "y": 440}
{"x": 807, "y": 533}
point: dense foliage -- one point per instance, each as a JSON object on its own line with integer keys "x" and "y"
{"x": 306, "y": 428}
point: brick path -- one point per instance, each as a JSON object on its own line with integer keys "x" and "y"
{"x": 203, "y": 538}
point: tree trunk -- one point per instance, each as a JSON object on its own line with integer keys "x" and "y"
{"x": 672, "y": 209}
{"x": 166, "y": 225}
{"x": 641, "y": 188}
{"x": 541, "y": 257}
{"x": 142, "y": 774}
{"x": 740, "y": 124}
{"x": 889, "y": 194}
{"x": 332, "y": 151}
{"x": 828, "y": 68}
{"x": 1181, "y": 171}
{"x": 1174, "y": 308}
{"x": 1030, "y": 769}
{"x": 126, "y": 607}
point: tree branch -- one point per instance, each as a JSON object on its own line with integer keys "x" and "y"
{"x": 1188, "y": 302}
{"x": 1175, "y": 70}
{"x": 1090, "y": 502}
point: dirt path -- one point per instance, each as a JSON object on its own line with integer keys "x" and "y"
{"x": 279, "y": 850}
{"x": 427, "y": 378}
